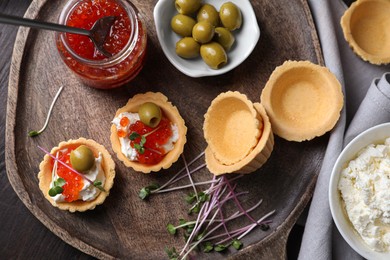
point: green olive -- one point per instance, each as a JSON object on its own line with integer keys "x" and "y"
{"x": 208, "y": 13}
{"x": 182, "y": 24}
{"x": 224, "y": 37}
{"x": 203, "y": 32}
{"x": 150, "y": 114}
{"x": 230, "y": 16}
{"x": 82, "y": 158}
{"x": 187, "y": 6}
{"x": 187, "y": 48}
{"x": 213, "y": 54}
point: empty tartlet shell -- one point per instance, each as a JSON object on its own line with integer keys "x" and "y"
{"x": 255, "y": 159}
{"x": 365, "y": 26}
{"x": 45, "y": 175}
{"x": 303, "y": 100}
{"x": 169, "y": 111}
{"x": 231, "y": 127}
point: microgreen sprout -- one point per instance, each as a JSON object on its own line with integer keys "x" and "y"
{"x": 211, "y": 230}
{"x": 97, "y": 184}
{"x": 146, "y": 191}
{"x": 34, "y": 132}
{"x": 57, "y": 188}
{"x": 140, "y": 145}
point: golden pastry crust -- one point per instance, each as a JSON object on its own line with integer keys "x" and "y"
{"x": 365, "y": 26}
{"x": 255, "y": 159}
{"x": 171, "y": 112}
{"x": 45, "y": 176}
{"x": 231, "y": 127}
{"x": 303, "y": 100}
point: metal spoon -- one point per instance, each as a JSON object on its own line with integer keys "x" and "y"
{"x": 97, "y": 34}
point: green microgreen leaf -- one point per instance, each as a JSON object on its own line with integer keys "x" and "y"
{"x": 98, "y": 184}
{"x": 143, "y": 140}
{"x": 172, "y": 253}
{"x": 171, "y": 229}
{"x": 33, "y": 133}
{"x": 190, "y": 198}
{"x": 57, "y": 188}
{"x": 59, "y": 182}
{"x": 220, "y": 248}
{"x": 237, "y": 244}
{"x": 208, "y": 247}
{"x": 133, "y": 136}
{"x": 195, "y": 209}
{"x": 146, "y": 191}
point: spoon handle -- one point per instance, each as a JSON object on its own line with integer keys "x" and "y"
{"x": 15, "y": 20}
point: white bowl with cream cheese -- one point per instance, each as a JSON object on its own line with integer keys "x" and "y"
{"x": 368, "y": 188}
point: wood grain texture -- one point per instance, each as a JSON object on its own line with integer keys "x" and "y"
{"x": 124, "y": 225}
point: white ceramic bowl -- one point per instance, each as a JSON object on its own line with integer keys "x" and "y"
{"x": 246, "y": 38}
{"x": 375, "y": 135}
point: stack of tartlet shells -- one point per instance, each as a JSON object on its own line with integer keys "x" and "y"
{"x": 366, "y": 28}
{"x": 170, "y": 112}
{"x": 238, "y": 134}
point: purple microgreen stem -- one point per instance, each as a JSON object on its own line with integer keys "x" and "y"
{"x": 189, "y": 177}
{"x": 237, "y": 202}
{"x": 175, "y": 178}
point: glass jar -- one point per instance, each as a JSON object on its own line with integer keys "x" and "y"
{"x": 126, "y": 41}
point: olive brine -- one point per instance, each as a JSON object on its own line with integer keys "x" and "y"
{"x": 205, "y": 31}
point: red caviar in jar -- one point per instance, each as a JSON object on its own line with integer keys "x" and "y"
{"x": 155, "y": 139}
{"x": 126, "y": 41}
{"x": 74, "y": 182}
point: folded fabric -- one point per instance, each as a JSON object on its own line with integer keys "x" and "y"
{"x": 321, "y": 239}
{"x": 374, "y": 109}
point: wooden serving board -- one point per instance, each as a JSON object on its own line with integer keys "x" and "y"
{"x": 125, "y": 226}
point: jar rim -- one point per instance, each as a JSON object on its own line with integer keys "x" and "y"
{"x": 132, "y": 14}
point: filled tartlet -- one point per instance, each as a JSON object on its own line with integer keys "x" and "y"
{"x": 77, "y": 175}
{"x": 303, "y": 100}
{"x": 238, "y": 134}
{"x": 365, "y": 26}
{"x": 148, "y": 134}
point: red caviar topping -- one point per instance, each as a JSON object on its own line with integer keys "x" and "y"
{"x": 85, "y": 15}
{"x": 74, "y": 182}
{"x": 121, "y": 133}
{"x": 158, "y": 136}
{"x": 124, "y": 121}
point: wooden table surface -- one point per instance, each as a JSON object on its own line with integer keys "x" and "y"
{"x": 22, "y": 236}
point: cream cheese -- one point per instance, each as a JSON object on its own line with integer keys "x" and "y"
{"x": 365, "y": 188}
{"x": 130, "y": 152}
{"x": 89, "y": 191}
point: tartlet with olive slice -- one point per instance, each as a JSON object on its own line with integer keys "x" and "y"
{"x": 77, "y": 175}
{"x": 148, "y": 134}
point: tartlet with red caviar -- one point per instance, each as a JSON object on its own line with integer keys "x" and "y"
{"x": 76, "y": 175}
{"x": 148, "y": 134}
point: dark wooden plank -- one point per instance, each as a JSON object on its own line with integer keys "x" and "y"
{"x": 270, "y": 52}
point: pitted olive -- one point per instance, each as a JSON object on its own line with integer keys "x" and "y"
{"x": 213, "y": 54}
{"x": 182, "y": 24}
{"x": 82, "y": 159}
{"x": 208, "y": 13}
{"x": 230, "y": 16}
{"x": 187, "y": 48}
{"x": 203, "y": 32}
{"x": 224, "y": 37}
{"x": 187, "y": 6}
{"x": 150, "y": 114}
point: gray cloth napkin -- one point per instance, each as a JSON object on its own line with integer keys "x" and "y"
{"x": 365, "y": 105}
